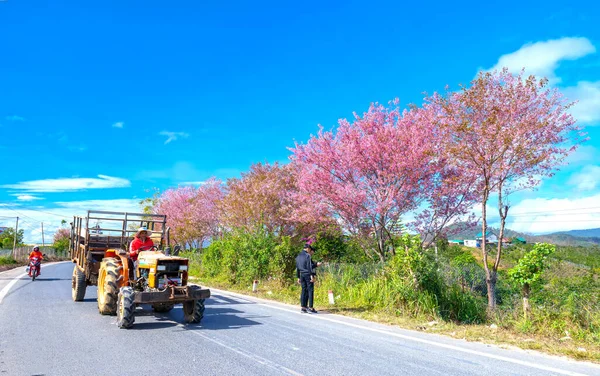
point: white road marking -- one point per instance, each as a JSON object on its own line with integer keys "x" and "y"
{"x": 433, "y": 343}
{"x": 6, "y": 288}
{"x": 256, "y": 358}
{"x": 10, "y": 284}
{"x": 231, "y": 300}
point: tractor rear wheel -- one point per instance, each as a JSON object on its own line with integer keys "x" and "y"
{"x": 108, "y": 286}
{"x": 78, "y": 285}
{"x": 126, "y": 308}
{"x": 193, "y": 311}
{"x": 162, "y": 307}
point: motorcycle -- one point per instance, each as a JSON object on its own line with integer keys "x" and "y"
{"x": 34, "y": 267}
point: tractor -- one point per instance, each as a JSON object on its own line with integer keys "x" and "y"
{"x": 158, "y": 278}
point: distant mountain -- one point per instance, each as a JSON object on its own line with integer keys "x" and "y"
{"x": 586, "y": 238}
{"x": 566, "y": 239}
{"x": 589, "y": 233}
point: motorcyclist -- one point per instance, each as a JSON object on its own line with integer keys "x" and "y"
{"x": 141, "y": 242}
{"x": 35, "y": 252}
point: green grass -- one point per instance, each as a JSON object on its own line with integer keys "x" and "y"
{"x": 7, "y": 260}
{"x": 565, "y": 317}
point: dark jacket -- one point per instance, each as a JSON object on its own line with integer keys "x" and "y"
{"x": 305, "y": 265}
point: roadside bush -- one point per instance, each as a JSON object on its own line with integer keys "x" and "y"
{"x": 241, "y": 257}
{"x": 6, "y": 260}
{"x": 418, "y": 284}
{"x": 409, "y": 284}
{"x": 338, "y": 248}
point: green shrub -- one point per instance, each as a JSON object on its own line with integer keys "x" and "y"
{"x": 448, "y": 286}
{"x": 240, "y": 258}
{"x": 6, "y": 260}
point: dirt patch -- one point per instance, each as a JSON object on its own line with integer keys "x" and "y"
{"x": 4, "y": 268}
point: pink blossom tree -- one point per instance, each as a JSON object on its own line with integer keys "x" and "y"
{"x": 449, "y": 201}
{"x": 62, "y": 233}
{"x": 192, "y": 213}
{"x": 507, "y": 131}
{"x": 266, "y": 197}
{"x": 370, "y": 172}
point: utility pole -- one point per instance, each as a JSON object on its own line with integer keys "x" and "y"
{"x": 15, "y": 239}
{"x": 43, "y": 244}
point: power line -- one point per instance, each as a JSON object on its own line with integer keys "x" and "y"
{"x": 56, "y": 215}
{"x": 37, "y": 211}
{"x": 552, "y": 211}
{"x": 23, "y": 215}
{"x": 555, "y": 221}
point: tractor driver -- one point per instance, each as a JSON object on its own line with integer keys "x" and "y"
{"x": 141, "y": 242}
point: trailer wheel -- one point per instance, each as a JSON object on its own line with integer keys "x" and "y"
{"x": 108, "y": 286}
{"x": 193, "y": 311}
{"x": 78, "y": 285}
{"x": 162, "y": 307}
{"x": 126, "y": 308}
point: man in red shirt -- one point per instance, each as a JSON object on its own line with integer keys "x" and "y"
{"x": 141, "y": 242}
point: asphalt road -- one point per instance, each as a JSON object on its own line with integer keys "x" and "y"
{"x": 43, "y": 332}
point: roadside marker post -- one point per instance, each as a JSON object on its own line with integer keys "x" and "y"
{"x": 331, "y": 297}
{"x": 255, "y": 286}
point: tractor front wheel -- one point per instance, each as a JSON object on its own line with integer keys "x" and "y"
{"x": 126, "y": 308}
{"x": 108, "y": 286}
{"x": 193, "y": 311}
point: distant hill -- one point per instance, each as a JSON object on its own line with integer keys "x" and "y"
{"x": 586, "y": 238}
{"x": 589, "y": 233}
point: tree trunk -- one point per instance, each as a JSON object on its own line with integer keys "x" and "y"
{"x": 526, "y": 306}
{"x": 490, "y": 281}
{"x": 503, "y": 211}
{"x": 380, "y": 241}
{"x": 490, "y": 276}
{"x": 391, "y": 239}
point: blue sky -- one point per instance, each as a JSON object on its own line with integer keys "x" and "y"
{"x": 102, "y": 101}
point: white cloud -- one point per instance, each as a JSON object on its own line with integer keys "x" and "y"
{"x": 26, "y": 197}
{"x": 584, "y": 153}
{"x": 80, "y": 148}
{"x": 541, "y": 215}
{"x": 193, "y": 183}
{"x": 588, "y": 179}
{"x": 70, "y": 184}
{"x": 15, "y": 118}
{"x": 173, "y": 136}
{"x": 118, "y": 124}
{"x": 587, "y": 110}
{"x": 115, "y": 205}
{"x": 543, "y": 58}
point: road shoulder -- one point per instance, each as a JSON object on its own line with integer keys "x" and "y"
{"x": 517, "y": 355}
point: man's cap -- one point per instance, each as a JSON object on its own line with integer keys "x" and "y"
{"x": 308, "y": 246}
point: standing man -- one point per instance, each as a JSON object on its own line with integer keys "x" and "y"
{"x": 306, "y": 274}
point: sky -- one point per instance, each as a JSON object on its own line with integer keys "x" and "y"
{"x": 103, "y": 102}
